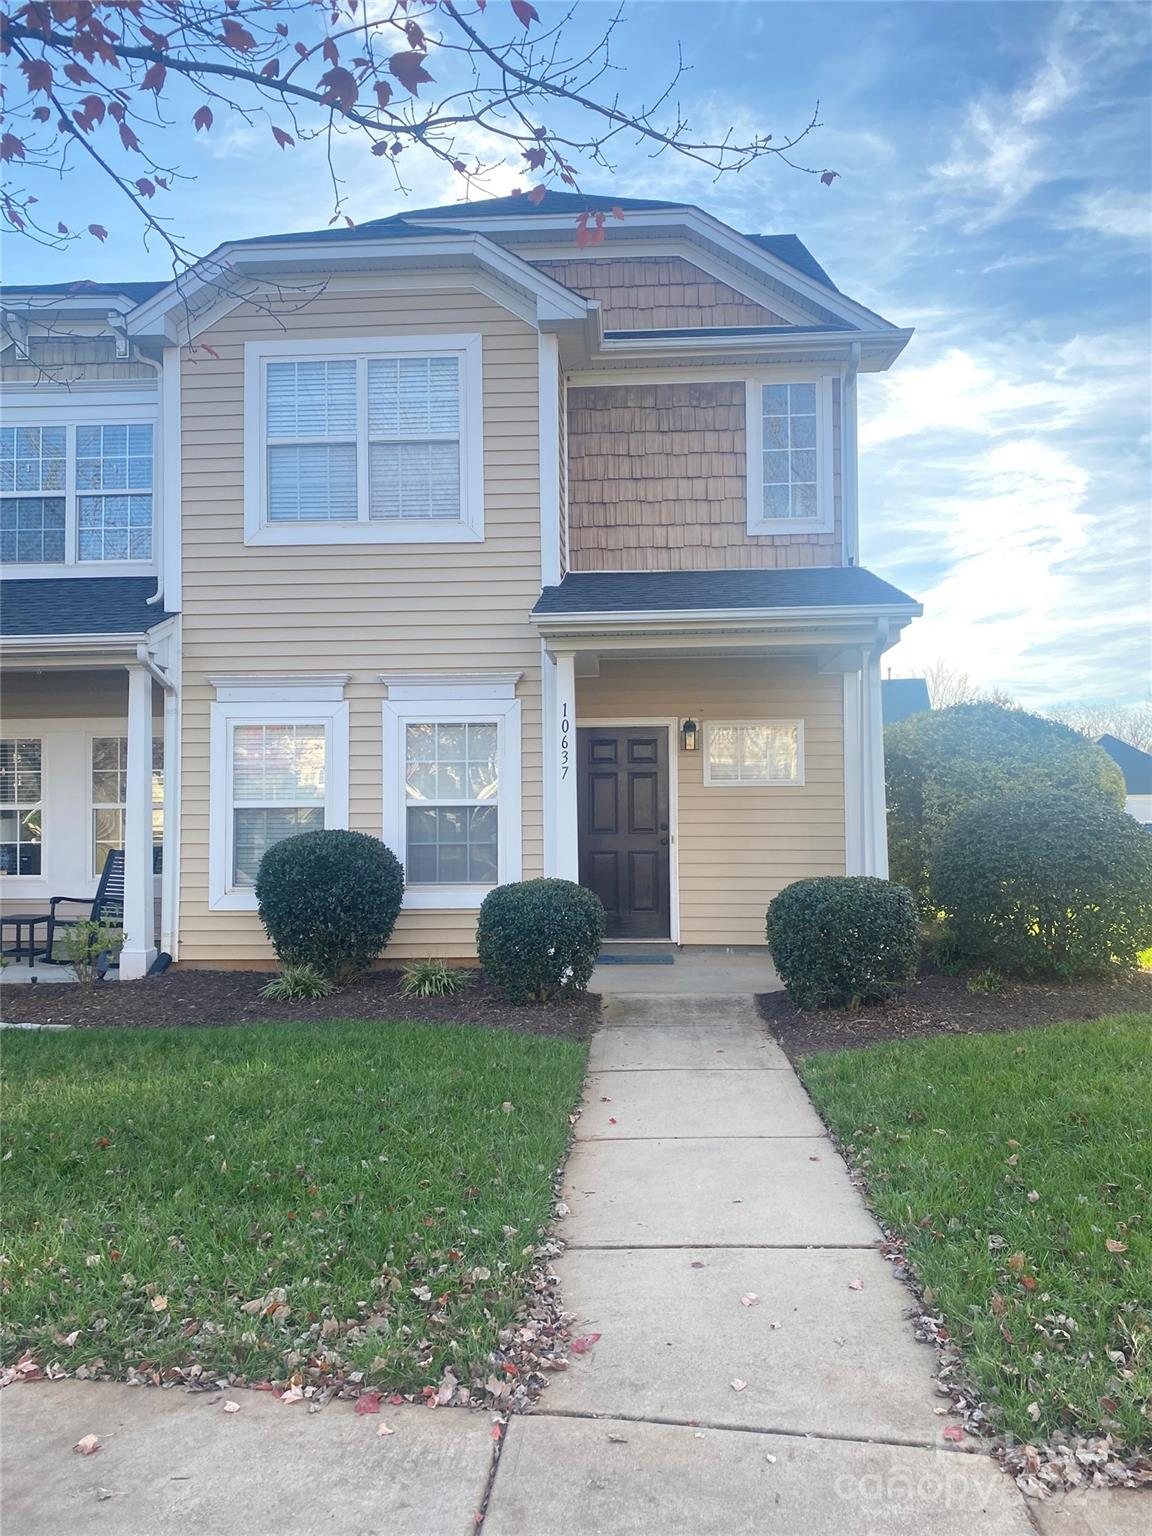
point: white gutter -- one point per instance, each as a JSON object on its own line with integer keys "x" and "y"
{"x": 849, "y": 484}
{"x": 666, "y": 618}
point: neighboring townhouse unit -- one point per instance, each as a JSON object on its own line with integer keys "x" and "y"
{"x": 529, "y": 557}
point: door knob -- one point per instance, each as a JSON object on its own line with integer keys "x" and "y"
{"x": 663, "y": 842}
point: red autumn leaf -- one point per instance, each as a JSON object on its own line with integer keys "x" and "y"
{"x": 285, "y": 140}
{"x": 128, "y": 137}
{"x": 339, "y": 88}
{"x": 11, "y": 148}
{"x": 79, "y": 75}
{"x": 237, "y": 37}
{"x": 409, "y": 70}
{"x": 525, "y": 14}
{"x": 116, "y": 111}
{"x": 38, "y": 73}
{"x": 202, "y": 118}
{"x": 590, "y": 234}
{"x": 618, "y": 213}
{"x": 416, "y": 39}
{"x": 584, "y": 1343}
{"x": 211, "y": 351}
{"x": 145, "y": 187}
{"x": 536, "y": 196}
{"x": 281, "y": 29}
{"x": 380, "y": 148}
{"x": 535, "y": 158}
{"x": 953, "y": 1432}
{"x": 396, "y": 1399}
{"x": 154, "y": 78}
{"x": 383, "y": 93}
{"x": 99, "y": 231}
{"x": 42, "y": 114}
{"x": 368, "y": 1402}
{"x": 828, "y": 177}
{"x": 497, "y": 1431}
{"x": 330, "y": 51}
{"x": 62, "y": 229}
{"x": 271, "y": 69}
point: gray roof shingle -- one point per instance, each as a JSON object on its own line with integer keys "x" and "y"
{"x": 606, "y": 592}
{"x": 78, "y": 605}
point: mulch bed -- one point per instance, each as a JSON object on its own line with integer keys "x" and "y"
{"x": 936, "y": 1004}
{"x": 231, "y": 997}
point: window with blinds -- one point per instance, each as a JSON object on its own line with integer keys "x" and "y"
{"x": 375, "y": 439}
{"x": 278, "y": 779}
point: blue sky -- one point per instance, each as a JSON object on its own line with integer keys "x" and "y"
{"x": 994, "y": 193}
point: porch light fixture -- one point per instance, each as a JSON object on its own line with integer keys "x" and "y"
{"x": 689, "y": 735}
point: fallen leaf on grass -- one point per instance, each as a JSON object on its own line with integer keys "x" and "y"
{"x": 88, "y": 1445}
{"x": 855, "y": 1285}
{"x": 159, "y": 1303}
{"x": 368, "y": 1402}
{"x": 1114, "y": 1245}
{"x": 750, "y": 1299}
{"x": 230, "y": 1406}
{"x": 1034, "y": 1412}
{"x": 738, "y": 1385}
{"x": 584, "y": 1343}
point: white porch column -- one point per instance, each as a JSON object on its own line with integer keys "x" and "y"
{"x": 876, "y": 848}
{"x": 139, "y": 887}
{"x": 561, "y": 848}
{"x": 854, "y": 764}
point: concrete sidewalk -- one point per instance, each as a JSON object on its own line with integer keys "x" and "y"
{"x": 701, "y": 1175}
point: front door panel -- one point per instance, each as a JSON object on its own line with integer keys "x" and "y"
{"x": 624, "y": 832}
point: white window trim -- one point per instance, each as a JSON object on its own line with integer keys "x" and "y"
{"x": 223, "y": 896}
{"x": 825, "y": 518}
{"x": 71, "y": 410}
{"x": 445, "y": 704}
{"x": 470, "y": 527}
{"x": 711, "y": 726}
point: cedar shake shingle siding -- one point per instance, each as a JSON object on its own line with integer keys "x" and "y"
{"x": 640, "y": 293}
{"x": 657, "y": 483}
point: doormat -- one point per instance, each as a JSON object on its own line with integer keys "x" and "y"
{"x": 636, "y": 960}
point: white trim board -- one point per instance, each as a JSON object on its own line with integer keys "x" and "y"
{"x": 673, "y": 728}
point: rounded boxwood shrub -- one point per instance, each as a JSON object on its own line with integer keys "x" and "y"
{"x": 943, "y": 762}
{"x": 329, "y": 900}
{"x": 1057, "y": 887}
{"x": 538, "y": 939}
{"x": 840, "y": 940}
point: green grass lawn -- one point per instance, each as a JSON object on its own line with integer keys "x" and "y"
{"x": 388, "y": 1178}
{"x": 1019, "y": 1169}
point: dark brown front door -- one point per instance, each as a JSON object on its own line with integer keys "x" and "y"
{"x": 623, "y": 786}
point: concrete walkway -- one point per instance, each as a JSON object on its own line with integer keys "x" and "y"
{"x": 702, "y": 1175}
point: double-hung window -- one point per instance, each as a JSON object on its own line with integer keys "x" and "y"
{"x": 790, "y": 462}
{"x": 21, "y": 793}
{"x": 378, "y": 440}
{"x": 76, "y": 492}
{"x": 279, "y": 768}
{"x": 452, "y": 788}
{"x": 110, "y": 798}
{"x": 754, "y": 752}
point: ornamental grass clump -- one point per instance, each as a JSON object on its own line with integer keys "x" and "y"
{"x": 841, "y": 940}
{"x": 539, "y": 939}
{"x": 1059, "y": 887}
{"x": 329, "y": 900}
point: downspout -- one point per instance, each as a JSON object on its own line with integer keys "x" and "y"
{"x": 150, "y": 362}
{"x": 147, "y": 659}
{"x": 848, "y": 452}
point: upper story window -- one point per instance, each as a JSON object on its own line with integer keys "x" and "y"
{"x": 365, "y": 441}
{"x": 72, "y": 493}
{"x": 790, "y": 468}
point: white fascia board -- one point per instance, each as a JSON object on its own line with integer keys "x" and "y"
{"x": 269, "y": 259}
{"x": 96, "y": 307}
{"x": 705, "y": 227}
{"x": 880, "y": 348}
{"x": 740, "y": 617}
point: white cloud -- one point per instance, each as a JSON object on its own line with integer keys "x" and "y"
{"x": 1120, "y": 215}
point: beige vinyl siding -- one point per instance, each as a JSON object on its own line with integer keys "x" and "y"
{"x": 657, "y": 482}
{"x": 361, "y": 609}
{"x": 738, "y": 847}
{"x": 641, "y": 293}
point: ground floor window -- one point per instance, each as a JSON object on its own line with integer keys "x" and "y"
{"x": 278, "y": 769}
{"x": 21, "y": 789}
{"x": 110, "y": 794}
{"x": 451, "y": 788}
{"x": 750, "y": 752}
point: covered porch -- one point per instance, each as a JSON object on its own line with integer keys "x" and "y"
{"x": 88, "y": 750}
{"x": 711, "y": 737}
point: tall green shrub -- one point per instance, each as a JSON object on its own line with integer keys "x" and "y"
{"x": 329, "y": 900}
{"x": 840, "y": 940}
{"x": 1057, "y": 887}
{"x": 945, "y": 762}
{"x": 538, "y": 939}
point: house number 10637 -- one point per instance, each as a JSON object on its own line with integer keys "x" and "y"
{"x": 565, "y": 730}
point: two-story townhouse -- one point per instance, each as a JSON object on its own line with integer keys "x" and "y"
{"x": 531, "y": 557}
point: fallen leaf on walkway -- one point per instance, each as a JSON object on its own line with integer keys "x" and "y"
{"x": 497, "y": 1431}
{"x": 617, "y": 1440}
{"x": 772, "y": 1459}
{"x": 953, "y": 1432}
{"x": 368, "y": 1402}
{"x": 103, "y": 1494}
{"x": 604, "y": 1099}
{"x": 293, "y": 1395}
{"x": 584, "y": 1343}
{"x": 88, "y": 1445}
{"x": 230, "y": 1406}
{"x": 696, "y": 1264}
{"x": 855, "y": 1285}
{"x": 812, "y": 1159}
{"x": 611, "y": 1119}
{"x": 738, "y": 1385}
{"x": 383, "y": 1429}
{"x": 750, "y": 1299}
{"x": 396, "y": 1399}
